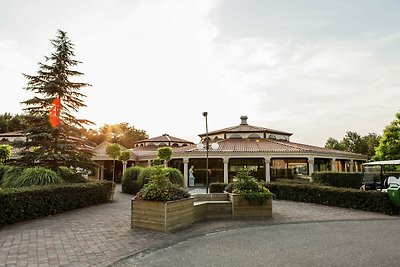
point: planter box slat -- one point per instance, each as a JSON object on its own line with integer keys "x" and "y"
{"x": 162, "y": 216}
{"x": 242, "y": 209}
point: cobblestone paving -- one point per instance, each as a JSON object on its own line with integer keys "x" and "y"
{"x": 101, "y": 235}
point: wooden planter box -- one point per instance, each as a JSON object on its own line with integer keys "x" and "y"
{"x": 162, "y": 216}
{"x": 242, "y": 209}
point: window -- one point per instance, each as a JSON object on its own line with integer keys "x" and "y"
{"x": 254, "y": 136}
{"x": 235, "y": 136}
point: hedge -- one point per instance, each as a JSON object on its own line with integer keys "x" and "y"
{"x": 338, "y": 179}
{"x": 17, "y": 205}
{"x": 331, "y": 196}
{"x": 129, "y": 181}
{"x": 217, "y": 187}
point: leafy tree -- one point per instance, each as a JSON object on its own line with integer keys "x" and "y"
{"x": 113, "y": 151}
{"x": 56, "y": 98}
{"x": 332, "y": 143}
{"x": 120, "y": 133}
{"x": 389, "y": 144}
{"x": 5, "y": 153}
{"x": 165, "y": 154}
{"x": 372, "y": 142}
{"x": 12, "y": 123}
{"x": 355, "y": 143}
{"x": 124, "y": 157}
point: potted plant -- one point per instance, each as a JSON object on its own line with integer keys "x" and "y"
{"x": 162, "y": 205}
{"x": 249, "y": 198}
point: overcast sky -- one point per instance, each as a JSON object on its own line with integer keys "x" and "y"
{"x": 313, "y": 68}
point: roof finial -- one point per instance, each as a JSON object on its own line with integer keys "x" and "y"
{"x": 244, "y": 120}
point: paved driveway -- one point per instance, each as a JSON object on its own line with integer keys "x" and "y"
{"x": 101, "y": 235}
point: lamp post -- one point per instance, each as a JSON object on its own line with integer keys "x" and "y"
{"x": 207, "y": 148}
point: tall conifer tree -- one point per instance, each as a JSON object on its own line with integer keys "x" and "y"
{"x": 53, "y": 139}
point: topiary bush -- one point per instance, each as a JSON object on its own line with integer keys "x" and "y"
{"x": 145, "y": 175}
{"x": 160, "y": 188}
{"x": 338, "y": 179}
{"x": 129, "y": 182}
{"x": 20, "y": 204}
{"x": 33, "y": 176}
{"x": 69, "y": 176}
{"x": 175, "y": 176}
{"x": 374, "y": 201}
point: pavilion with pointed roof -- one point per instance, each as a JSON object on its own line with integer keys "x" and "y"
{"x": 267, "y": 152}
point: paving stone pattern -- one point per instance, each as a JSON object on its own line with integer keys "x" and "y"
{"x": 101, "y": 235}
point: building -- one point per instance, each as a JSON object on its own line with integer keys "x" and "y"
{"x": 267, "y": 152}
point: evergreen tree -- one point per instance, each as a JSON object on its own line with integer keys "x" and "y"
{"x": 53, "y": 136}
{"x": 389, "y": 144}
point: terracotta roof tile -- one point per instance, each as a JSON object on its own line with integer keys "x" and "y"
{"x": 264, "y": 145}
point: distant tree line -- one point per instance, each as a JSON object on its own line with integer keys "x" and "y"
{"x": 385, "y": 147}
{"x": 12, "y": 123}
{"x": 120, "y": 133}
{"x": 355, "y": 143}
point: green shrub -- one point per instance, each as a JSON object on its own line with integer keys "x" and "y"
{"x": 249, "y": 188}
{"x": 20, "y": 204}
{"x": 175, "y": 176}
{"x": 129, "y": 182}
{"x": 160, "y": 188}
{"x": 217, "y": 187}
{"x": 3, "y": 170}
{"x": 332, "y": 196}
{"x": 229, "y": 188}
{"x": 69, "y": 175}
{"x": 157, "y": 162}
{"x": 338, "y": 179}
{"x": 5, "y": 153}
{"x": 11, "y": 175}
{"x": 34, "y": 176}
{"x": 145, "y": 175}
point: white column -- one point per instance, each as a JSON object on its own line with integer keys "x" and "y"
{"x": 351, "y": 165}
{"x": 310, "y": 166}
{"x": 267, "y": 170}
{"x": 148, "y": 162}
{"x": 226, "y": 170}
{"x": 102, "y": 171}
{"x": 333, "y": 165}
{"x": 185, "y": 172}
{"x": 124, "y": 163}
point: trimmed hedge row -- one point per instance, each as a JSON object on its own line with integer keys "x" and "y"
{"x": 338, "y": 179}
{"x": 340, "y": 197}
{"x": 17, "y": 205}
{"x": 217, "y": 187}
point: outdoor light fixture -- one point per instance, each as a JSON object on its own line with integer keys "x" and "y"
{"x": 207, "y": 148}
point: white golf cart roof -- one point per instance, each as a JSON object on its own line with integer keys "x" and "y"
{"x": 380, "y": 163}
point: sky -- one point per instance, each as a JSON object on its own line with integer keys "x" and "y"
{"x": 313, "y": 68}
